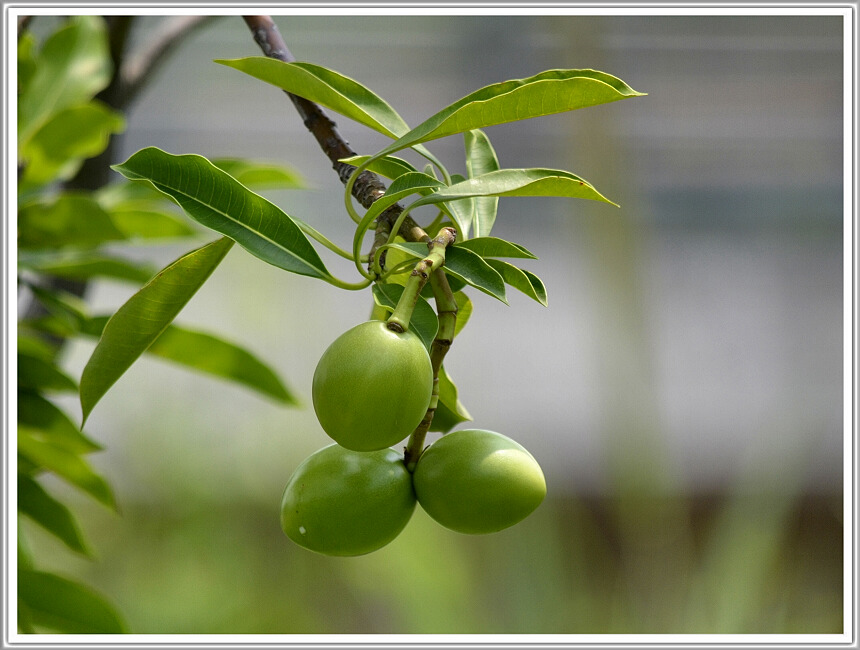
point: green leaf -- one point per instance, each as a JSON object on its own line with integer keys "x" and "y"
{"x": 144, "y": 220}
{"x": 57, "y": 150}
{"x": 449, "y": 411}
{"x": 481, "y": 159}
{"x": 327, "y": 88}
{"x": 35, "y": 346}
{"x": 66, "y": 606}
{"x": 462, "y": 211}
{"x": 423, "y": 321}
{"x": 73, "y": 65}
{"x": 525, "y": 281}
{"x": 388, "y": 166}
{"x": 47, "y": 422}
{"x": 518, "y": 182}
{"x": 70, "y": 219}
{"x": 26, "y": 60}
{"x": 464, "y": 311}
{"x": 216, "y": 200}
{"x": 403, "y": 186}
{"x": 65, "y": 464}
{"x": 212, "y": 355}
{"x": 127, "y": 193}
{"x": 495, "y": 247}
{"x": 79, "y": 266}
{"x": 49, "y": 513}
{"x": 552, "y": 91}
{"x": 142, "y": 319}
{"x": 464, "y": 265}
{"x": 36, "y": 373}
{"x": 261, "y": 175}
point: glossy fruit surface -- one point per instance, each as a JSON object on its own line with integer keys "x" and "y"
{"x": 372, "y": 386}
{"x": 342, "y": 502}
{"x": 476, "y": 481}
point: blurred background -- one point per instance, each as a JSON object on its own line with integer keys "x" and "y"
{"x": 683, "y": 391}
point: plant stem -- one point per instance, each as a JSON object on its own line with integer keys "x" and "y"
{"x": 446, "y": 308}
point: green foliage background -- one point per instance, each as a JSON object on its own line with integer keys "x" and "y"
{"x": 198, "y": 469}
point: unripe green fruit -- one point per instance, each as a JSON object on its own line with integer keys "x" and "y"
{"x": 342, "y": 502}
{"x": 372, "y": 386}
{"x": 476, "y": 481}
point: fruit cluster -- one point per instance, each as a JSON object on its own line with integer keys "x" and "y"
{"x": 371, "y": 389}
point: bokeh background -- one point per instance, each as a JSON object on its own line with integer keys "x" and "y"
{"x": 683, "y": 391}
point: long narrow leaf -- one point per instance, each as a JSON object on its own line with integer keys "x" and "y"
{"x": 66, "y": 606}
{"x": 495, "y": 247}
{"x": 552, "y": 91}
{"x": 525, "y": 281}
{"x": 49, "y": 423}
{"x": 481, "y": 159}
{"x": 212, "y": 355}
{"x": 49, "y": 513}
{"x": 141, "y": 320}
{"x": 424, "y": 321}
{"x": 218, "y": 201}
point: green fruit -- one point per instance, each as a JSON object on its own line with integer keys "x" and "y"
{"x": 342, "y": 502}
{"x": 476, "y": 481}
{"x": 372, "y": 386}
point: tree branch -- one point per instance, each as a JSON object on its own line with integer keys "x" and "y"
{"x": 368, "y": 187}
{"x": 139, "y": 67}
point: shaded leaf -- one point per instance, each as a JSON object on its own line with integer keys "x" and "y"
{"x": 495, "y": 247}
{"x": 449, "y": 411}
{"x": 423, "y": 321}
{"x": 212, "y": 355}
{"x": 552, "y": 91}
{"x": 78, "y": 266}
{"x": 481, "y": 159}
{"x": 518, "y": 182}
{"x": 261, "y": 175}
{"x": 35, "y": 346}
{"x": 26, "y": 60}
{"x": 36, "y": 373}
{"x": 464, "y": 311}
{"x": 66, "y": 606}
{"x": 47, "y": 422}
{"x": 130, "y": 193}
{"x": 525, "y": 281}
{"x": 49, "y": 513}
{"x": 462, "y": 211}
{"x": 70, "y": 219}
{"x": 73, "y": 65}
{"x": 388, "y": 166}
{"x": 142, "y": 319}
{"x": 465, "y": 265}
{"x": 65, "y": 464}
{"x": 59, "y": 147}
{"x": 216, "y": 200}
{"x": 145, "y": 220}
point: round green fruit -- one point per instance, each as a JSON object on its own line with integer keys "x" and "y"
{"x": 372, "y": 386}
{"x": 342, "y": 502}
{"x": 476, "y": 481}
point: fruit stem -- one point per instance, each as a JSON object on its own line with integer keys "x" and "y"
{"x": 446, "y": 307}
{"x": 435, "y": 259}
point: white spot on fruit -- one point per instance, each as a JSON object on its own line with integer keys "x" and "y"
{"x": 302, "y": 530}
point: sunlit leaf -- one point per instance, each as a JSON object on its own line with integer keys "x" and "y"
{"x": 481, "y": 159}
{"x": 212, "y": 355}
{"x": 70, "y": 219}
{"x": 142, "y": 319}
{"x": 59, "y": 147}
{"x": 495, "y": 247}
{"x": 423, "y": 321}
{"x": 525, "y": 281}
{"x": 261, "y": 175}
{"x": 65, "y": 606}
{"x": 552, "y": 91}
{"x": 73, "y": 65}
{"x": 49, "y": 513}
{"x": 461, "y": 211}
{"x": 449, "y": 411}
{"x": 216, "y": 200}
{"x": 38, "y": 374}
{"x": 47, "y": 422}
{"x": 65, "y": 464}
{"x": 327, "y": 88}
{"x": 389, "y": 166}
{"x": 464, "y": 311}
{"x": 518, "y": 182}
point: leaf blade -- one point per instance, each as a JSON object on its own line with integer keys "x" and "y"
{"x": 481, "y": 159}
{"x": 423, "y": 322}
{"x": 520, "y": 279}
{"x": 50, "y": 514}
{"x": 136, "y": 325}
{"x": 213, "y": 198}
